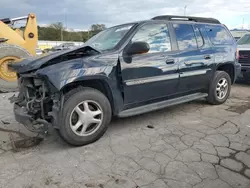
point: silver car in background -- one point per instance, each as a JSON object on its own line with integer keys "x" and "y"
{"x": 243, "y": 55}
{"x": 39, "y": 52}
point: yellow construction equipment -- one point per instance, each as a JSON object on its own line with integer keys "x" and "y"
{"x": 15, "y": 44}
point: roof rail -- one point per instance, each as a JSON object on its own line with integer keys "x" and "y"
{"x": 186, "y": 18}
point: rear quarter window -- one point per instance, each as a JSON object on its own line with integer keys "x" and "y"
{"x": 185, "y": 36}
{"x": 219, "y": 35}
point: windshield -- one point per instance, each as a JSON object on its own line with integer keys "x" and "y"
{"x": 109, "y": 38}
{"x": 244, "y": 40}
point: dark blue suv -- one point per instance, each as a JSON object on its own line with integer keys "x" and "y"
{"x": 126, "y": 70}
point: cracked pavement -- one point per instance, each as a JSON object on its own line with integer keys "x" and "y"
{"x": 193, "y": 145}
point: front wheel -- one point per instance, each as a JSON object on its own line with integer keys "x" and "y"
{"x": 85, "y": 116}
{"x": 220, "y": 88}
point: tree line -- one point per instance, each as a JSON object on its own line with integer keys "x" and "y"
{"x": 57, "y": 32}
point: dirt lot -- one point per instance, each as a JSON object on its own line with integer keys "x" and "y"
{"x": 191, "y": 145}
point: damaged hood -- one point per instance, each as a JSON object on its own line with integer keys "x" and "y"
{"x": 34, "y": 63}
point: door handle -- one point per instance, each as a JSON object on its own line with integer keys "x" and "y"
{"x": 170, "y": 61}
{"x": 207, "y": 57}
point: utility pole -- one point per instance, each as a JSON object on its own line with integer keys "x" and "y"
{"x": 66, "y": 19}
{"x": 243, "y": 23}
{"x": 62, "y": 34}
{"x": 185, "y": 10}
{"x": 66, "y": 24}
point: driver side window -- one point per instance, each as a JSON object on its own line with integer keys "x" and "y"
{"x": 156, "y": 35}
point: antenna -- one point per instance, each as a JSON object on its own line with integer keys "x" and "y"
{"x": 185, "y": 8}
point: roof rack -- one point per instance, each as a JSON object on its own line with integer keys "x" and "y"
{"x": 186, "y": 18}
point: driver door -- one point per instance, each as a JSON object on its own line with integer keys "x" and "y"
{"x": 152, "y": 76}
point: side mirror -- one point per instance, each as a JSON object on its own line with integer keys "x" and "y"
{"x": 137, "y": 48}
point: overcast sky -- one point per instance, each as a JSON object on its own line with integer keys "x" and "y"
{"x": 80, "y": 14}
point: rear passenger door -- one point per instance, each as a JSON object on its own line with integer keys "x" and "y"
{"x": 222, "y": 42}
{"x": 195, "y": 58}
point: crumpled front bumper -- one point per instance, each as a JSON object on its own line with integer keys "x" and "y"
{"x": 22, "y": 116}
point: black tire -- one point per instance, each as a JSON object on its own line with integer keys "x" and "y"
{"x": 14, "y": 51}
{"x": 212, "y": 94}
{"x": 72, "y": 99}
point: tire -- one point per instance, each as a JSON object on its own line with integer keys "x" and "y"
{"x": 8, "y": 50}
{"x": 73, "y": 99}
{"x": 213, "y": 97}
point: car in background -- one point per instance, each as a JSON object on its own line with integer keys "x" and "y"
{"x": 237, "y": 38}
{"x": 63, "y": 46}
{"x": 243, "y": 54}
{"x": 39, "y": 52}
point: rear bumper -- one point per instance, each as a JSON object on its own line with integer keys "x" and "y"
{"x": 237, "y": 71}
{"x": 245, "y": 68}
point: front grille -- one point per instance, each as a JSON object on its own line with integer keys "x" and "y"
{"x": 244, "y": 58}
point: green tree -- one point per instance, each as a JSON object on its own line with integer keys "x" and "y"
{"x": 57, "y": 26}
{"x": 56, "y": 32}
{"x": 97, "y": 27}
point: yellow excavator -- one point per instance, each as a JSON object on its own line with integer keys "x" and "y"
{"x": 15, "y": 44}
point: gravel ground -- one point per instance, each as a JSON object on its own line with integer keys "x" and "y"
{"x": 190, "y": 145}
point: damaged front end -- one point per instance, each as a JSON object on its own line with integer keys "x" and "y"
{"x": 41, "y": 81}
{"x": 35, "y": 107}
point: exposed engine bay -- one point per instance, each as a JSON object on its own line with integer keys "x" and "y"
{"x": 42, "y": 81}
{"x": 35, "y": 96}
{"x": 35, "y": 101}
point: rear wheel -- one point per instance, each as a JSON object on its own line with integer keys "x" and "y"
{"x": 220, "y": 88}
{"x": 9, "y": 54}
{"x": 85, "y": 116}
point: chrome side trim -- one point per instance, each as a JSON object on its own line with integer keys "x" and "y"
{"x": 194, "y": 73}
{"x": 151, "y": 79}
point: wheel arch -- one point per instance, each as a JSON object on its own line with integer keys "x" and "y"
{"x": 228, "y": 68}
{"x": 103, "y": 85}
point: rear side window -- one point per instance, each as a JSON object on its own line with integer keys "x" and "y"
{"x": 218, "y": 35}
{"x": 185, "y": 36}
